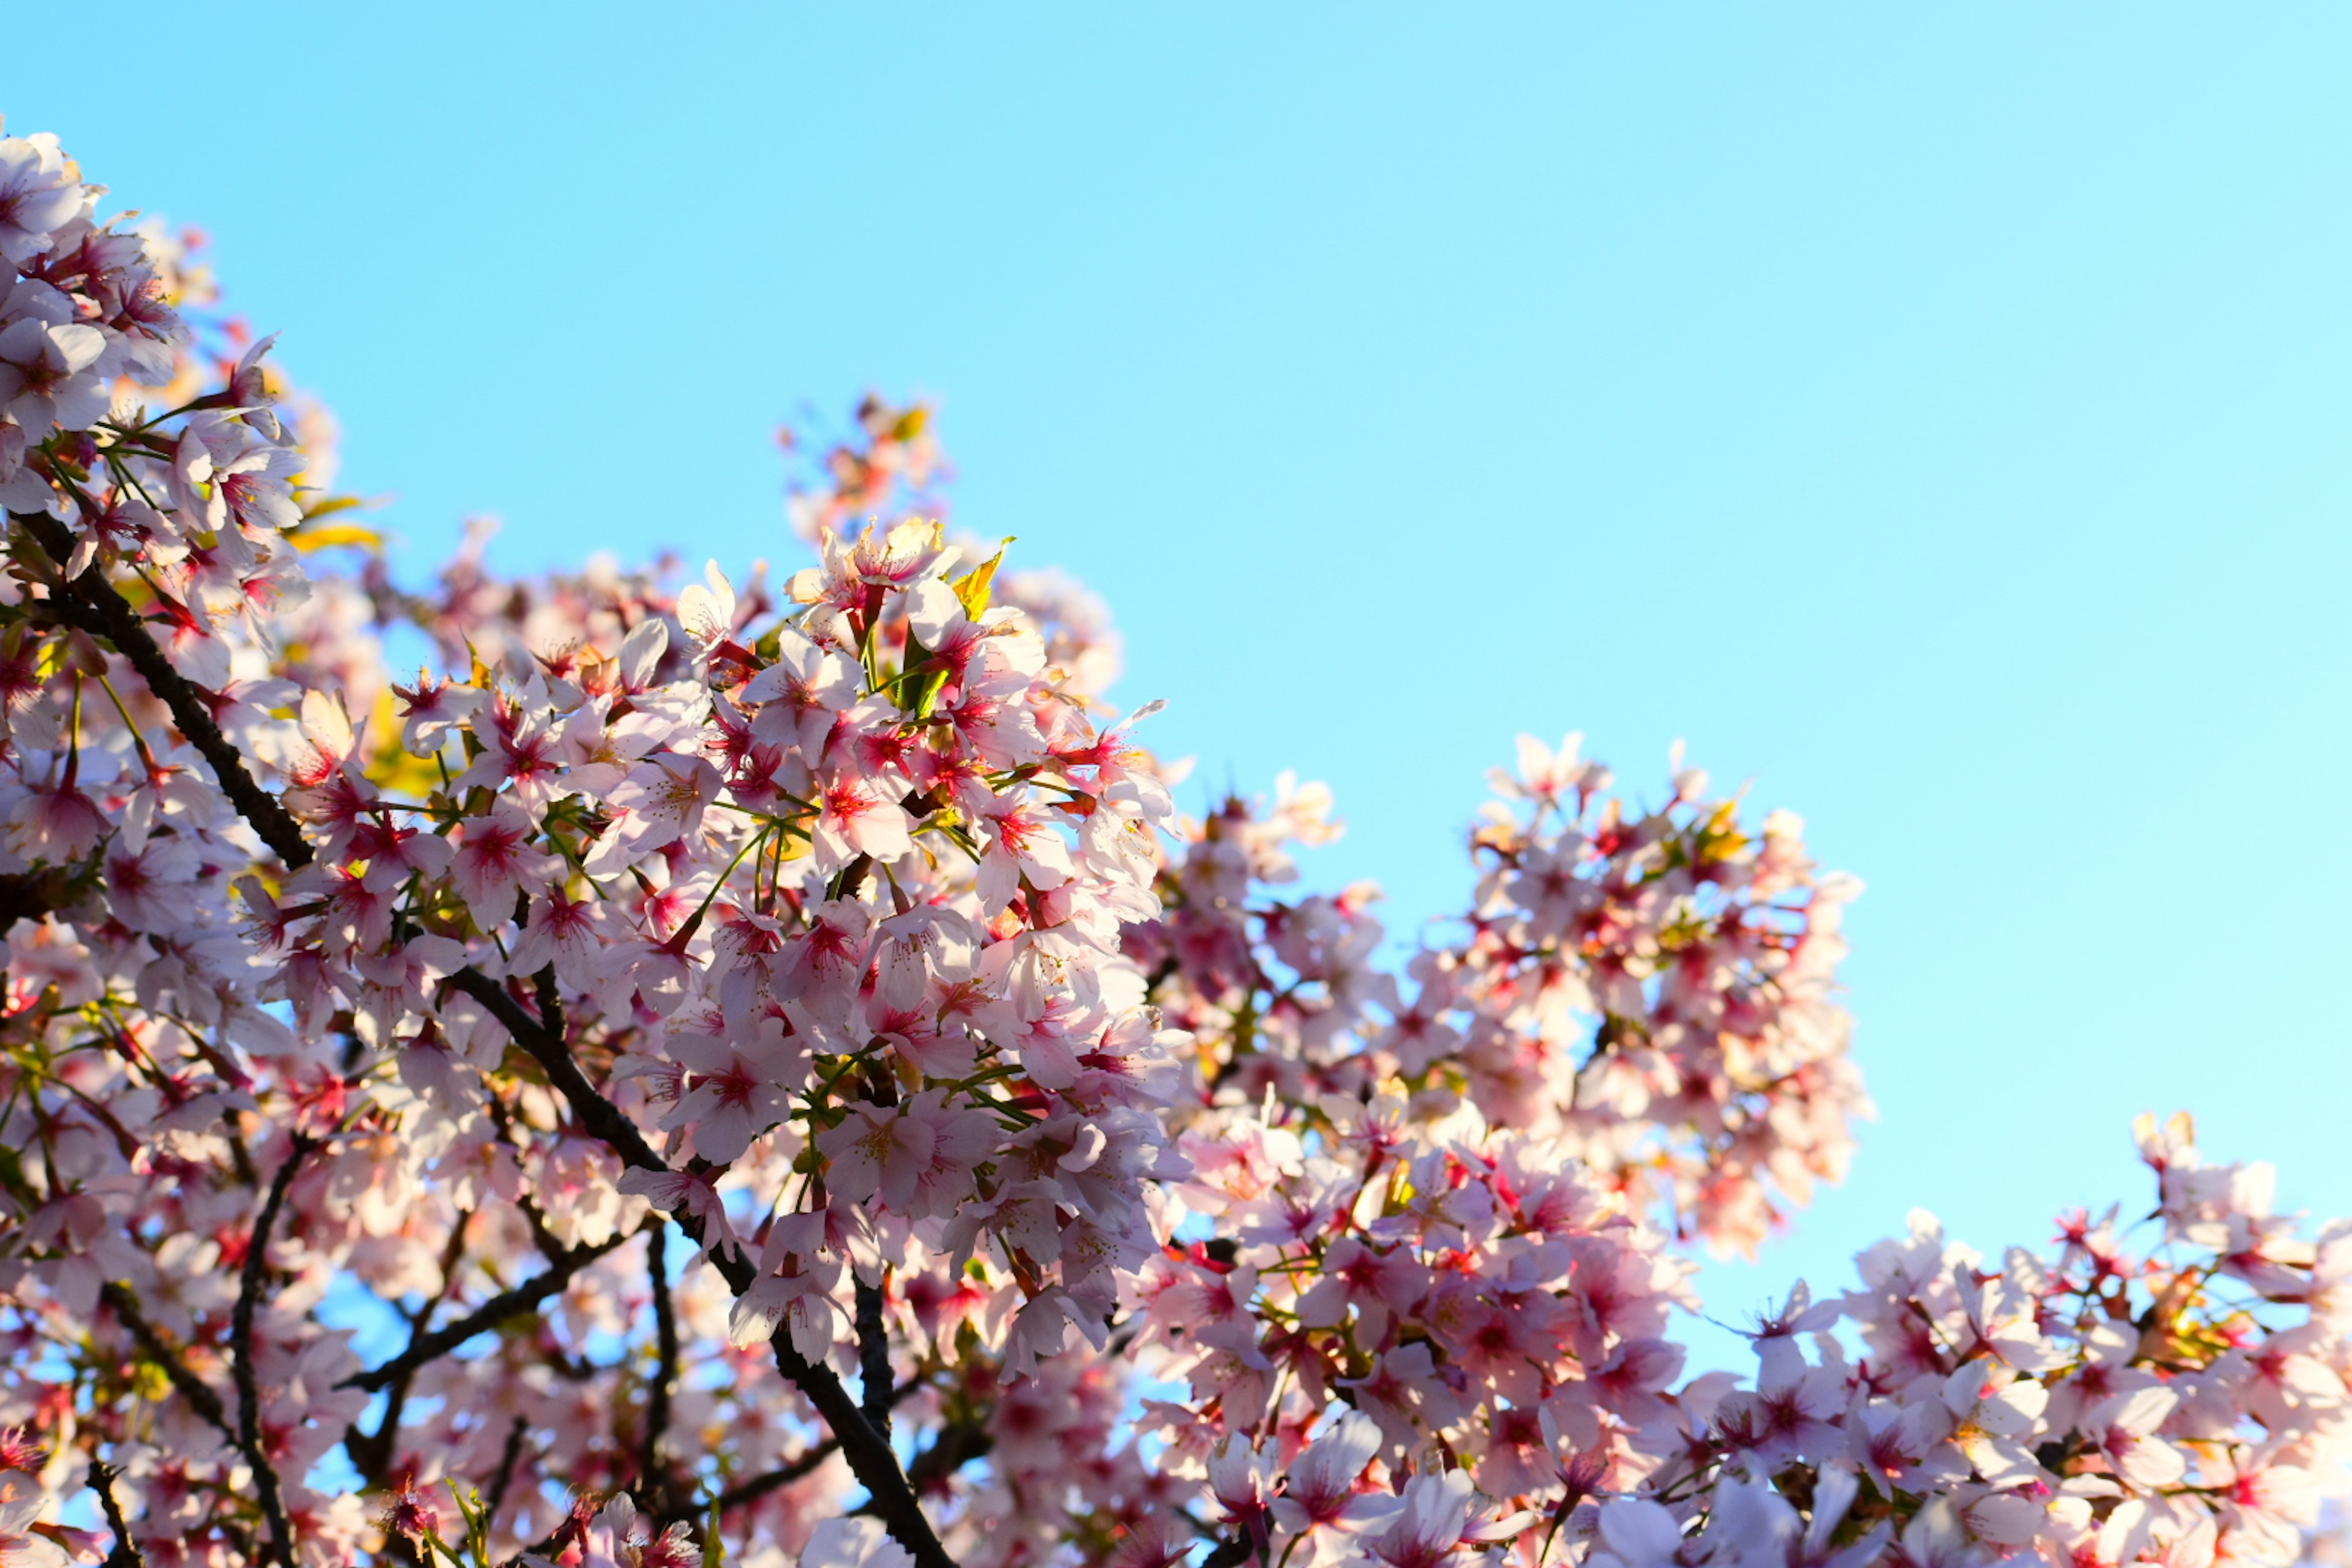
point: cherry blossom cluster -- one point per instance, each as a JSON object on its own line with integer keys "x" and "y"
{"x": 2178, "y": 1398}
{"x": 1660, "y": 983}
{"x": 1454, "y": 1289}
{"x": 834, "y": 898}
{"x": 2181, "y": 1399}
{"x": 82, "y": 308}
{"x": 357, "y": 931}
{"x": 197, "y": 498}
{"x": 758, "y": 1069}
{"x": 1654, "y": 988}
{"x": 888, "y": 463}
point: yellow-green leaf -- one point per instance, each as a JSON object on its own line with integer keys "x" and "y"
{"x": 327, "y": 506}
{"x": 331, "y": 535}
{"x": 972, "y": 588}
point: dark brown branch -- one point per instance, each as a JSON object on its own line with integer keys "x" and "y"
{"x": 187, "y": 1384}
{"x": 870, "y": 1457}
{"x": 958, "y": 1444}
{"x": 29, "y": 895}
{"x": 371, "y": 1452}
{"x": 550, "y": 997}
{"x": 553, "y": 1250}
{"x": 240, "y": 1347}
{"x": 776, "y": 1480}
{"x": 653, "y": 1476}
{"x": 598, "y": 1116}
{"x": 91, "y": 603}
{"x": 868, "y": 1452}
{"x": 793, "y": 1469}
{"x": 873, "y": 1358}
{"x": 509, "y": 1457}
{"x": 1229, "y": 1553}
{"x": 506, "y": 1304}
{"x": 122, "y": 1554}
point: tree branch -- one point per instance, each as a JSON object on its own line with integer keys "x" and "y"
{"x": 598, "y": 1116}
{"x": 122, "y": 1554}
{"x": 29, "y": 895}
{"x": 91, "y": 603}
{"x": 751, "y": 1491}
{"x": 776, "y": 1480}
{"x": 187, "y": 1384}
{"x": 545, "y": 991}
{"x": 958, "y": 1444}
{"x": 371, "y": 1453}
{"x": 652, "y": 1475}
{"x": 1229, "y": 1553}
{"x": 240, "y": 1344}
{"x": 868, "y": 1452}
{"x": 506, "y": 1304}
{"x": 507, "y": 1458}
{"x": 873, "y": 1358}
{"x": 870, "y": 1457}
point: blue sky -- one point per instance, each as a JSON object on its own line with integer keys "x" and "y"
{"x": 1936, "y": 415}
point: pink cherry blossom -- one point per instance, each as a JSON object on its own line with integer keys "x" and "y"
{"x": 728, "y": 1057}
{"x": 496, "y": 860}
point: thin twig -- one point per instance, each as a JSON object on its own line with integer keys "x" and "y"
{"x": 553, "y": 1250}
{"x": 507, "y": 1458}
{"x": 958, "y": 1444}
{"x": 199, "y": 1394}
{"x": 506, "y": 1304}
{"x": 783, "y": 1476}
{"x": 547, "y": 1546}
{"x": 240, "y": 1345}
{"x": 371, "y": 1452}
{"x": 122, "y": 1554}
{"x": 801, "y": 1464}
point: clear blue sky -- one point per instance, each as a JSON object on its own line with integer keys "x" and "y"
{"x": 1936, "y": 413}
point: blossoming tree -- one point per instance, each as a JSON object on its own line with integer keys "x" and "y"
{"x": 747, "y": 1071}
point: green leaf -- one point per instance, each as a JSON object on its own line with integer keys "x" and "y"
{"x": 925, "y": 690}
{"x": 920, "y": 679}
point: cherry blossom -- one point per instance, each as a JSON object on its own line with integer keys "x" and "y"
{"x": 695, "y": 1060}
